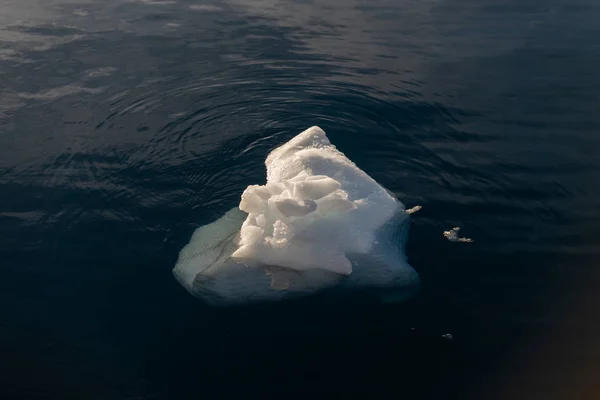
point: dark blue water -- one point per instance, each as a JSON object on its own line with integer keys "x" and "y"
{"x": 125, "y": 124}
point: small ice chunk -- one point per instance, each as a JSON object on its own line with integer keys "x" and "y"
{"x": 335, "y": 202}
{"x": 413, "y": 210}
{"x": 452, "y": 235}
{"x": 252, "y": 202}
{"x": 314, "y": 189}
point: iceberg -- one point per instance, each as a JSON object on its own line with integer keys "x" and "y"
{"x": 319, "y": 223}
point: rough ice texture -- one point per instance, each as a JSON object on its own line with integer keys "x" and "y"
{"x": 319, "y": 223}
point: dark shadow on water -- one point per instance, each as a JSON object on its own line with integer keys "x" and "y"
{"x": 131, "y": 331}
{"x": 447, "y": 342}
{"x": 302, "y": 348}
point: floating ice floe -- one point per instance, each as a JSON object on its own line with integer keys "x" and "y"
{"x": 319, "y": 223}
{"x": 452, "y": 235}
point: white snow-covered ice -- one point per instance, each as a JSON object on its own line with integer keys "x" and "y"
{"x": 318, "y": 223}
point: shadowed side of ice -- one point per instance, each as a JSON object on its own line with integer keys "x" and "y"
{"x": 320, "y": 223}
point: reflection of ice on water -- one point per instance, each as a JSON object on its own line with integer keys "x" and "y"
{"x": 452, "y": 235}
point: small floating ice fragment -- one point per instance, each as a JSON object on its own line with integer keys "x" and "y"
{"x": 452, "y": 235}
{"x": 413, "y": 210}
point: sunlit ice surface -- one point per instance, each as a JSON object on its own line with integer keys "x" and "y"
{"x": 319, "y": 224}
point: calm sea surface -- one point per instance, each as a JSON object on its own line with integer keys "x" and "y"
{"x": 126, "y": 124}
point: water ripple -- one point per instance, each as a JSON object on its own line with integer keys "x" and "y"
{"x": 184, "y": 123}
